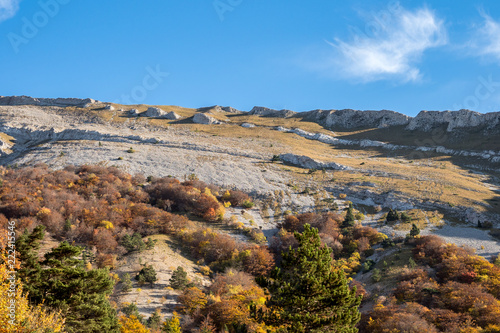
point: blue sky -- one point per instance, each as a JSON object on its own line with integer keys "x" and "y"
{"x": 405, "y": 56}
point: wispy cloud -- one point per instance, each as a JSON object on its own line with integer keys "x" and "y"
{"x": 8, "y": 8}
{"x": 487, "y": 39}
{"x": 395, "y": 50}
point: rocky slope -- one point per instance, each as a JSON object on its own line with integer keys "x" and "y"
{"x": 228, "y": 154}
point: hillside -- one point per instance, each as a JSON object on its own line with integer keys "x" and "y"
{"x": 432, "y": 172}
{"x": 179, "y": 176}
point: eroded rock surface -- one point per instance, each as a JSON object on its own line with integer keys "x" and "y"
{"x": 267, "y": 112}
{"x": 309, "y": 163}
{"x": 62, "y": 102}
{"x": 205, "y": 119}
{"x": 427, "y": 120}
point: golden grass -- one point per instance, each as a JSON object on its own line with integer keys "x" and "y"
{"x": 6, "y": 138}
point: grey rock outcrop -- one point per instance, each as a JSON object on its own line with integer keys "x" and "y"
{"x": 172, "y": 116}
{"x": 154, "y": 112}
{"x": 229, "y": 109}
{"x": 427, "y": 120}
{"x": 134, "y": 112}
{"x": 309, "y": 163}
{"x": 205, "y": 119}
{"x": 62, "y": 102}
{"x": 218, "y": 108}
{"x": 109, "y": 107}
{"x": 247, "y": 125}
{"x": 266, "y": 112}
{"x": 355, "y": 118}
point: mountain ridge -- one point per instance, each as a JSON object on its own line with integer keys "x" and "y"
{"x": 424, "y": 121}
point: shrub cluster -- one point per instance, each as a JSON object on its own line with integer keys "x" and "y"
{"x": 350, "y": 244}
{"x": 457, "y": 292}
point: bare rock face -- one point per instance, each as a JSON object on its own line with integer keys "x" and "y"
{"x": 218, "y": 108}
{"x": 159, "y": 113}
{"x": 62, "y": 102}
{"x": 172, "y": 116}
{"x": 109, "y": 107}
{"x": 229, "y": 109}
{"x": 266, "y": 112}
{"x": 309, "y": 163}
{"x": 247, "y": 125}
{"x": 427, "y": 120}
{"x": 154, "y": 113}
{"x": 355, "y": 118}
{"x": 205, "y": 119}
{"x": 134, "y": 112}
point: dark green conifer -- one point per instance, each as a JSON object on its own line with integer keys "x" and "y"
{"x": 147, "y": 274}
{"x": 415, "y": 231}
{"x": 307, "y": 293}
{"x": 154, "y": 321}
{"x": 393, "y": 215}
{"x": 179, "y": 279}
{"x": 127, "y": 283}
{"x": 349, "y": 218}
{"x": 61, "y": 282}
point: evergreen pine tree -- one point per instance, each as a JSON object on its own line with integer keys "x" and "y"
{"x": 154, "y": 321}
{"x": 67, "y": 225}
{"x": 179, "y": 278}
{"x": 127, "y": 283}
{"x": 135, "y": 243}
{"x": 147, "y": 274}
{"x": 132, "y": 310}
{"x": 127, "y": 243}
{"x": 150, "y": 243}
{"x": 307, "y": 293}
{"x": 415, "y": 231}
{"x": 62, "y": 282}
{"x": 393, "y": 215}
{"x": 27, "y": 247}
{"x": 349, "y": 218}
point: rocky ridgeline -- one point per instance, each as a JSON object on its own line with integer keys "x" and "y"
{"x": 62, "y": 102}
{"x": 347, "y": 118}
{"x": 355, "y": 118}
{"x": 266, "y": 112}
{"x": 427, "y": 120}
{"x": 227, "y": 109}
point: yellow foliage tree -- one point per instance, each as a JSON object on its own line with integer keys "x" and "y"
{"x": 132, "y": 325}
{"x": 192, "y": 299}
{"x": 107, "y": 224}
{"x": 172, "y": 325}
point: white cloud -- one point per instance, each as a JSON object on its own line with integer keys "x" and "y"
{"x": 8, "y": 8}
{"x": 394, "y": 50}
{"x": 487, "y": 41}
